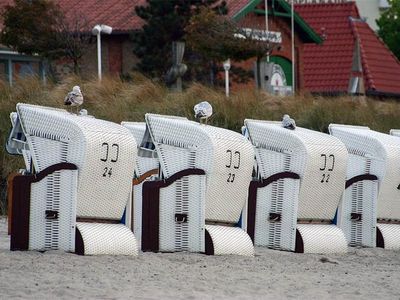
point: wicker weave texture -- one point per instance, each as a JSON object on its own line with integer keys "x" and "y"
{"x": 103, "y": 151}
{"x": 359, "y": 200}
{"x": 382, "y": 153}
{"x": 186, "y": 196}
{"x": 137, "y": 213}
{"x": 226, "y": 157}
{"x": 318, "y": 158}
{"x": 230, "y": 240}
{"x": 277, "y": 198}
{"x": 107, "y": 239}
{"x": 50, "y": 195}
{"x": 322, "y": 239}
{"x": 391, "y": 235}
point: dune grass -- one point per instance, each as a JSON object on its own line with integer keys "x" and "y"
{"x": 117, "y": 100}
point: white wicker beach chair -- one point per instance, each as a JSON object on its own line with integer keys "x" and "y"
{"x": 146, "y": 168}
{"x": 301, "y": 179}
{"x": 374, "y": 202}
{"x": 203, "y": 190}
{"x": 79, "y": 184}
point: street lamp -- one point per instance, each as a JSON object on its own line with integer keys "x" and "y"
{"x": 97, "y": 30}
{"x": 227, "y": 66}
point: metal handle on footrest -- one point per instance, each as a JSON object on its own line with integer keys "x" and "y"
{"x": 355, "y": 217}
{"x": 274, "y": 217}
{"x": 181, "y": 218}
{"x": 51, "y": 214}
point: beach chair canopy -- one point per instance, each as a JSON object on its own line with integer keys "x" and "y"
{"x": 378, "y": 154}
{"x": 104, "y": 153}
{"x": 319, "y": 159}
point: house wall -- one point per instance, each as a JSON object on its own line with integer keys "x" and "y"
{"x": 116, "y": 58}
{"x": 278, "y": 24}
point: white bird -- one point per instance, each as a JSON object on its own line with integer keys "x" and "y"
{"x": 203, "y": 110}
{"x": 288, "y": 122}
{"x": 74, "y": 98}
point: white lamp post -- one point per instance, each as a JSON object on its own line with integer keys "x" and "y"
{"x": 227, "y": 66}
{"x": 97, "y": 30}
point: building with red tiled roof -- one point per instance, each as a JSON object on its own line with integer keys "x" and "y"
{"x": 348, "y": 58}
{"x": 352, "y": 59}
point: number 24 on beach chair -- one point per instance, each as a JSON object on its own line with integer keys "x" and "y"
{"x": 76, "y": 186}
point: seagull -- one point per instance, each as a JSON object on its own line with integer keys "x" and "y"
{"x": 288, "y": 122}
{"x": 74, "y": 98}
{"x": 203, "y": 110}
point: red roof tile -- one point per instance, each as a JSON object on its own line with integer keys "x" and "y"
{"x": 381, "y": 68}
{"x": 119, "y": 14}
{"x": 327, "y": 67}
{"x": 234, "y": 6}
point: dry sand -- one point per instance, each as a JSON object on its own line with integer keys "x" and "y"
{"x": 362, "y": 273}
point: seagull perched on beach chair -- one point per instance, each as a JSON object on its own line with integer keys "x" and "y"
{"x": 74, "y": 98}
{"x": 288, "y": 122}
{"x": 202, "y": 111}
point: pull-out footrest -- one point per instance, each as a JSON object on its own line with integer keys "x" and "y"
{"x": 272, "y": 211}
{"x": 173, "y": 213}
{"x": 224, "y": 240}
{"x": 388, "y": 236}
{"x": 317, "y": 238}
{"x": 102, "y": 238}
{"x": 357, "y": 212}
{"x": 44, "y": 209}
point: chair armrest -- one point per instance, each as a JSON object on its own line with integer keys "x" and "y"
{"x": 355, "y": 179}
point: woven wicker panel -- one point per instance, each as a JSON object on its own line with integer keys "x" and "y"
{"x": 318, "y": 158}
{"x": 137, "y": 129}
{"x": 360, "y": 198}
{"x": 137, "y": 213}
{"x": 383, "y": 154}
{"x": 184, "y": 196}
{"x": 277, "y": 198}
{"x": 49, "y": 194}
{"x": 230, "y": 176}
{"x": 226, "y": 157}
{"x": 110, "y": 239}
{"x": 105, "y": 186}
{"x": 103, "y": 151}
{"x": 321, "y": 190}
{"x": 230, "y": 240}
{"x": 322, "y": 239}
{"x": 389, "y": 188}
{"x": 391, "y": 235}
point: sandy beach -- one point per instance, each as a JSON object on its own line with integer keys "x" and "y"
{"x": 362, "y": 273}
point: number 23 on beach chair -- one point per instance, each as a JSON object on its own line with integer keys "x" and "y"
{"x": 196, "y": 202}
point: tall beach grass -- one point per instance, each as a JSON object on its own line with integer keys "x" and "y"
{"x": 116, "y": 100}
